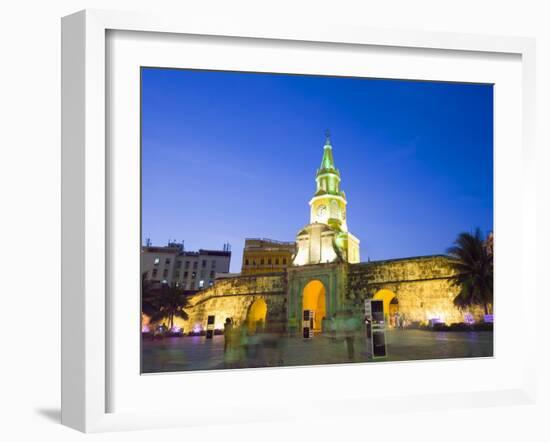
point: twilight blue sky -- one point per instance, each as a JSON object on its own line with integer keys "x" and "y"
{"x": 227, "y": 156}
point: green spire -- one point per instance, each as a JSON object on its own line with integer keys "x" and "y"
{"x": 327, "y": 164}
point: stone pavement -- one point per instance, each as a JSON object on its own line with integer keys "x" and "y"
{"x": 198, "y": 353}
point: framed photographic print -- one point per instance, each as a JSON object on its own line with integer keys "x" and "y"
{"x": 299, "y": 298}
{"x": 267, "y": 220}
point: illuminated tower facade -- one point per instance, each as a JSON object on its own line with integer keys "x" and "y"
{"x": 326, "y": 238}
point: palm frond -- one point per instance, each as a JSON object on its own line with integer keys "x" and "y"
{"x": 473, "y": 266}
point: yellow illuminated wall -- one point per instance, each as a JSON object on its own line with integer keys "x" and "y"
{"x": 265, "y": 261}
{"x": 386, "y": 296}
{"x": 256, "y": 314}
{"x": 261, "y": 255}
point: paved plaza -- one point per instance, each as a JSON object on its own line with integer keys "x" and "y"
{"x": 199, "y": 353}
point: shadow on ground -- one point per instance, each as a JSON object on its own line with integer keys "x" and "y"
{"x": 51, "y": 414}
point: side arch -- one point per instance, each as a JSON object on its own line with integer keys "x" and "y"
{"x": 257, "y": 314}
{"x": 390, "y": 301}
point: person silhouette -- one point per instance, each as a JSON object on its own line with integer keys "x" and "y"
{"x": 227, "y": 332}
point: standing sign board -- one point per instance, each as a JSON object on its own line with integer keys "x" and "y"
{"x": 210, "y": 327}
{"x": 376, "y": 329}
{"x": 307, "y": 324}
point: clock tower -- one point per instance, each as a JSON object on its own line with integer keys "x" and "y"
{"x": 326, "y": 238}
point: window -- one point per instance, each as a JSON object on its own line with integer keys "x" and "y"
{"x": 155, "y": 271}
{"x": 269, "y": 261}
{"x": 213, "y": 264}
{"x": 157, "y": 260}
{"x": 212, "y": 274}
{"x": 202, "y": 274}
{"x": 262, "y": 262}
{"x": 167, "y": 261}
{"x": 254, "y": 262}
{"x": 185, "y": 275}
{"x": 276, "y": 261}
{"x": 201, "y": 284}
{"x": 187, "y": 264}
{"x": 193, "y": 275}
{"x": 284, "y": 261}
{"x": 145, "y": 275}
{"x": 178, "y": 264}
{"x": 246, "y": 262}
{"x": 203, "y": 263}
{"x": 176, "y": 274}
{"x": 195, "y": 265}
{"x": 165, "y": 273}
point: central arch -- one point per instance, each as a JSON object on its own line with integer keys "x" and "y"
{"x": 257, "y": 313}
{"x": 314, "y": 298}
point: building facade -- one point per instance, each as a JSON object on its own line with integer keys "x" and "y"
{"x": 190, "y": 270}
{"x": 262, "y": 255}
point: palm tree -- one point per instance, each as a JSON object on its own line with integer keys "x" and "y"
{"x": 165, "y": 302}
{"x": 472, "y": 260}
{"x": 148, "y": 297}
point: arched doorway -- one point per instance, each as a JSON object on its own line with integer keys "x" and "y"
{"x": 257, "y": 313}
{"x": 314, "y": 298}
{"x": 391, "y": 304}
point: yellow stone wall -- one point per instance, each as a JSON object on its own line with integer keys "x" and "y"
{"x": 233, "y": 297}
{"x": 421, "y": 286}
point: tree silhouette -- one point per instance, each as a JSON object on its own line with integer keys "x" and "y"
{"x": 167, "y": 301}
{"x": 472, "y": 259}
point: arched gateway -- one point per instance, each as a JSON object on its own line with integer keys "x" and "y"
{"x": 320, "y": 288}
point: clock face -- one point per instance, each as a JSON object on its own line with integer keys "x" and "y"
{"x": 321, "y": 211}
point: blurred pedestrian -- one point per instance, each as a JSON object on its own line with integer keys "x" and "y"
{"x": 272, "y": 343}
{"x": 227, "y": 334}
{"x": 349, "y": 329}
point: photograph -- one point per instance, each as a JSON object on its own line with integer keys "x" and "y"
{"x": 302, "y": 220}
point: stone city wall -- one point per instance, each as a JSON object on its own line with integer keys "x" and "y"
{"x": 421, "y": 285}
{"x": 232, "y": 298}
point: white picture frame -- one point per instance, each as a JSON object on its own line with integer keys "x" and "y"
{"x": 86, "y": 199}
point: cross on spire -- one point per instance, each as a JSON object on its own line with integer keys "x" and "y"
{"x": 327, "y": 163}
